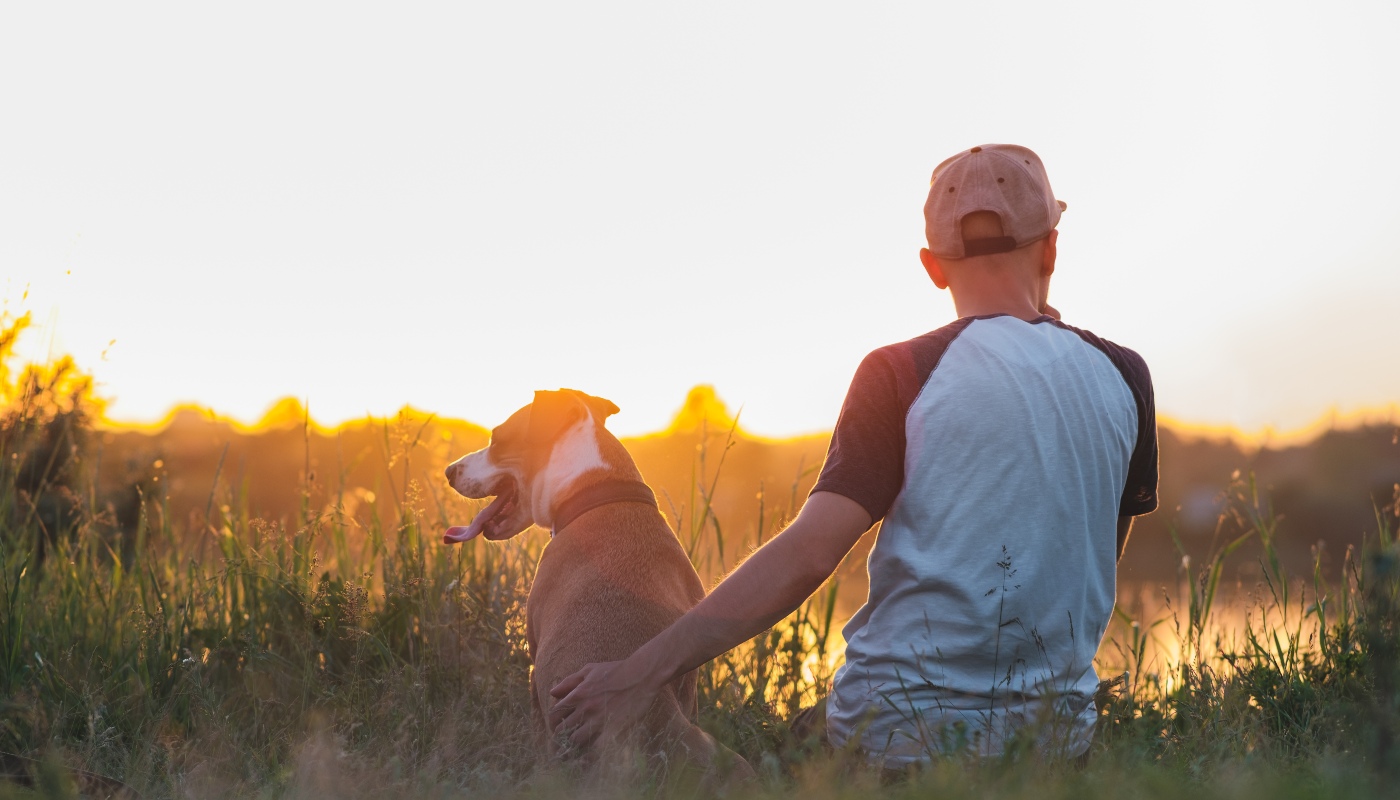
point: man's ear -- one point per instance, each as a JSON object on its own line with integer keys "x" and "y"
{"x": 551, "y": 413}
{"x": 1047, "y": 256}
{"x": 933, "y": 268}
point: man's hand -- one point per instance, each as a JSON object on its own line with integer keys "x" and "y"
{"x": 600, "y": 698}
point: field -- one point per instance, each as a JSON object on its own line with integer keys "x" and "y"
{"x": 339, "y": 650}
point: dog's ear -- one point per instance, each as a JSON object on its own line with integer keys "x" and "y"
{"x": 551, "y": 413}
{"x": 600, "y": 408}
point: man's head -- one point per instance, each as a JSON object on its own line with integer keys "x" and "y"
{"x": 1002, "y": 179}
{"x": 990, "y": 222}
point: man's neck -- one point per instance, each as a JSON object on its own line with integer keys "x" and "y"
{"x": 1023, "y": 308}
{"x": 1016, "y": 283}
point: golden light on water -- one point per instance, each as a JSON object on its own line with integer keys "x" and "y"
{"x": 1242, "y": 619}
{"x": 1157, "y": 615}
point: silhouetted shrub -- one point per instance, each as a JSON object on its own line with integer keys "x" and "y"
{"x": 46, "y": 417}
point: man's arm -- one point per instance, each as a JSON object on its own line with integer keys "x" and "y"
{"x": 768, "y": 586}
{"x": 1125, "y": 524}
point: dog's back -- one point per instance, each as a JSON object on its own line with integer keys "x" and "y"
{"x": 617, "y": 578}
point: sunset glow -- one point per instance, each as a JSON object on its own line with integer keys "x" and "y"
{"x": 454, "y": 206}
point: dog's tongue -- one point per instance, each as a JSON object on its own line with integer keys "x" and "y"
{"x": 462, "y": 533}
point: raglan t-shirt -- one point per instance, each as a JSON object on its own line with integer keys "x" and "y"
{"x": 998, "y": 455}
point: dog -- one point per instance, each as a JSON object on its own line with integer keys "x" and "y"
{"x": 613, "y": 574}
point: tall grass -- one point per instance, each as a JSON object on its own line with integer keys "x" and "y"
{"x": 210, "y": 655}
{"x": 1304, "y": 675}
{"x": 335, "y": 654}
{"x": 745, "y": 693}
{"x": 208, "y": 659}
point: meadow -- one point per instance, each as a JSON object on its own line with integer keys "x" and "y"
{"x": 340, "y": 650}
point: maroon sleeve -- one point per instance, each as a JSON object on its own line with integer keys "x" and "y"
{"x": 1140, "y": 493}
{"x": 865, "y": 460}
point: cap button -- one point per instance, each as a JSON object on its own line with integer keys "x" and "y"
{"x": 975, "y": 150}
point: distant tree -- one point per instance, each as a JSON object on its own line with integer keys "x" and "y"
{"x": 46, "y": 417}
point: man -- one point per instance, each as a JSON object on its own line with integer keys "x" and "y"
{"x": 1005, "y": 455}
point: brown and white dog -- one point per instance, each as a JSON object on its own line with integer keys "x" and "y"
{"x": 613, "y": 574}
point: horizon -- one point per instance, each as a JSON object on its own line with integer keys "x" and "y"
{"x": 705, "y": 402}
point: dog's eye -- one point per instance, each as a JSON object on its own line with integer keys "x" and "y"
{"x": 501, "y": 435}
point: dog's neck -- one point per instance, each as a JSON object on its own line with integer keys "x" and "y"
{"x": 602, "y": 493}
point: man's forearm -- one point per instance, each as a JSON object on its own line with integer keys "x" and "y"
{"x": 768, "y": 586}
{"x": 763, "y": 590}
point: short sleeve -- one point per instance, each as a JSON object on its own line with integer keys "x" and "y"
{"x": 865, "y": 460}
{"x": 1140, "y": 489}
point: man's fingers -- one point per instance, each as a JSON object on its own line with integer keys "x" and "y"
{"x": 566, "y": 714}
{"x": 558, "y": 714}
{"x": 565, "y": 705}
{"x": 583, "y": 735}
{"x": 562, "y": 688}
{"x": 582, "y": 703}
{"x": 581, "y": 728}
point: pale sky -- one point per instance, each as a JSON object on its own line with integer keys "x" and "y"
{"x": 451, "y": 205}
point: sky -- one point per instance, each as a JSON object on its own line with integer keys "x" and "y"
{"x": 451, "y": 205}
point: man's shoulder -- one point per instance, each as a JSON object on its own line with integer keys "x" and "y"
{"x": 920, "y": 353}
{"x": 893, "y": 375}
{"x": 1127, "y": 360}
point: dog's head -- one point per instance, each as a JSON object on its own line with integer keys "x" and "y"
{"x": 533, "y": 457}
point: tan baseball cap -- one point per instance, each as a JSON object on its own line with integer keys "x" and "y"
{"x": 1005, "y": 179}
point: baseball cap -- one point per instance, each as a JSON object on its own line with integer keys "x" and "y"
{"x": 1005, "y": 179}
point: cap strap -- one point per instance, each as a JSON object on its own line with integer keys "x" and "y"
{"x": 985, "y": 247}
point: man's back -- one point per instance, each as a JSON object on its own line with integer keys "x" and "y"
{"x": 998, "y": 452}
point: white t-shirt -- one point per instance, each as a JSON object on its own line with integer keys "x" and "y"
{"x": 999, "y": 455}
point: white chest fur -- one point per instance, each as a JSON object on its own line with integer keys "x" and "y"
{"x": 575, "y": 453}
